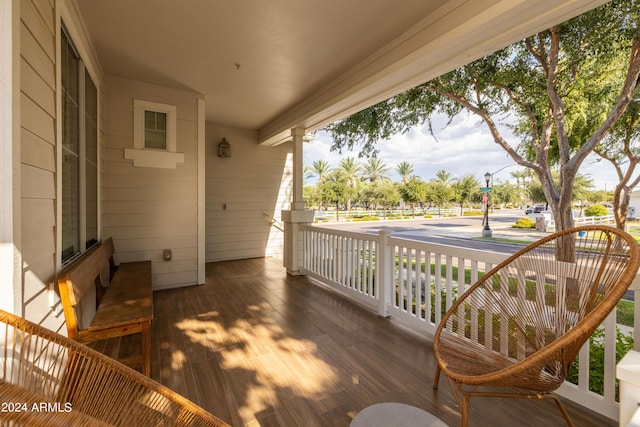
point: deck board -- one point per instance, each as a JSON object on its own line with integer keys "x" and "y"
{"x": 257, "y": 347}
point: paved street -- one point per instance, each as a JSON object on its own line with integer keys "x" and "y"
{"x": 454, "y": 231}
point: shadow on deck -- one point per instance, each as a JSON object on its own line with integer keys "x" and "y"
{"x": 257, "y": 347}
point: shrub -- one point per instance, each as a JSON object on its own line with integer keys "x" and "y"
{"x": 596, "y": 210}
{"x": 524, "y": 223}
{"x": 473, "y": 213}
{"x": 624, "y": 343}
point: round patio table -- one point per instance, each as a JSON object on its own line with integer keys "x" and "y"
{"x": 391, "y": 414}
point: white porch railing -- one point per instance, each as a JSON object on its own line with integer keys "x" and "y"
{"x": 416, "y": 282}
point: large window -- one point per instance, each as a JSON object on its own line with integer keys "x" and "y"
{"x": 79, "y": 170}
{"x": 91, "y": 161}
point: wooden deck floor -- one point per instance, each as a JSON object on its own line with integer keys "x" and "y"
{"x": 259, "y": 348}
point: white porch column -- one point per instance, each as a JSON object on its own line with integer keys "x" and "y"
{"x": 10, "y": 258}
{"x": 201, "y": 191}
{"x": 297, "y": 215}
{"x": 628, "y": 373}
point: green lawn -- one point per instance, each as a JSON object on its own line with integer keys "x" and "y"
{"x": 504, "y": 240}
{"x": 634, "y": 230}
{"x": 624, "y": 314}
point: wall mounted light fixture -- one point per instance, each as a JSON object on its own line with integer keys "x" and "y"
{"x": 224, "y": 148}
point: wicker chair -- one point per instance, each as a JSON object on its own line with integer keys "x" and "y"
{"x": 522, "y": 324}
{"x": 49, "y": 380}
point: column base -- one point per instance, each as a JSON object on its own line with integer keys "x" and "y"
{"x": 292, "y": 219}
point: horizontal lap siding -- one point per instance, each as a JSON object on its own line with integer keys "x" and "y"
{"x": 37, "y": 172}
{"x": 255, "y": 185}
{"x": 147, "y": 210}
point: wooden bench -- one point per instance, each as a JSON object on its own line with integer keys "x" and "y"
{"x": 124, "y": 308}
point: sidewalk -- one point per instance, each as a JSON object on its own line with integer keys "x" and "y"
{"x": 471, "y": 228}
{"x": 499, "y": 232}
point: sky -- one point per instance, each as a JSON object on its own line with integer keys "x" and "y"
{"x": 464, "y": 146}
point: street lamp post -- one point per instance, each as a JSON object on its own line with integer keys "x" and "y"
{"x": 494, "y": 174}
{"x": 486, "y": 231}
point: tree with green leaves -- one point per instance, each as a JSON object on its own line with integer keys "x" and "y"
{"x": 320, "y": 169}
{"x": 405, "y": 170}
{"x": 562, "y": 90}
{"x": 311, "y": 196}
{"x": 582, "y": 186}
{"x": 379, "y": 194}
{"x": 386, "y": 193}
{"x": 413, "y": 191}
{"x": 335, "y": 189}
{"x": 463, "y": 190}
{"x": 621, "y": 148}
{"x": 504, "y": 193}
{"x": 439, "y": 193}
{"x": 351, "y": 169}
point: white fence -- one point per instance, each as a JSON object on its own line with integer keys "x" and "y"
{"x": 583, "y": 220}
{"x": 416, "y": 282}
{"x": 605, "y": 219}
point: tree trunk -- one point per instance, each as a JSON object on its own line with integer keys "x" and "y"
{"x": 621, "y": 200}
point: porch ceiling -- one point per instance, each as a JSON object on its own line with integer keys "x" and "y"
{"x": 274, "y": 65}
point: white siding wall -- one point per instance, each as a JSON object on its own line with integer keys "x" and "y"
{"x": 255, "y": 185}
{"x": 634, "y": 203}
{"x": 38, "y": 167}
{"x": 147, "y": 210}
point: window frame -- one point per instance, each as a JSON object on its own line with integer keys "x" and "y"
{"x": 153, "y": 157}
{"x": 82, "y": 241}
{"x": 140, "y": 107}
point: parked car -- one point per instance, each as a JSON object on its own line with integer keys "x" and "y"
{"x": 535, "y": 209}
{"x": 539, "y": 208}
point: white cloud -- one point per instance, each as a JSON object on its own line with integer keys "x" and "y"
{"x": 464, "y": 146}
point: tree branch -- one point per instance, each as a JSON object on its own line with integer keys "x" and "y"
{"x": 557, "y": 105}
{"x": 621, "y": 104}
{"x": 493, "y": 128}
{"x": 535, "y": 126}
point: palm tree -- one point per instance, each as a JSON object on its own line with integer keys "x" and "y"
{"x": 320, "y": 169}
{"x": 440, "y": 189}
{"x": 405, "y": 170}
{"x": 444, "y": 177}
{"x": 520, "y": 177}
{"x": 350, "y": 168}
{"x": 375, "y": 170}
